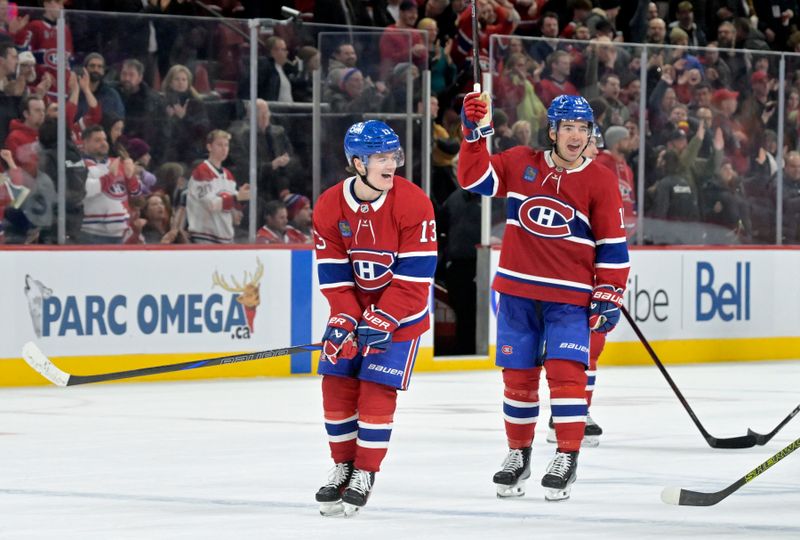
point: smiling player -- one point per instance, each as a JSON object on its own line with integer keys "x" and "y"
{"x": 375, "y": 238}
{"x": 563, "y": 267}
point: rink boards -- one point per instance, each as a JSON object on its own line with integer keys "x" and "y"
{"x": 92, "y": 310}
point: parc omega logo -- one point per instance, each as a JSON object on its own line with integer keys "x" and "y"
{"x": 156, "y": 313}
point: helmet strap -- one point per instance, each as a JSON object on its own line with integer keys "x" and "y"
{"x": 555, "y": 146}
{"x": 363, "y": 178}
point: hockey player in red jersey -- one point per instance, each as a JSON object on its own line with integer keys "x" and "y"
{"x": 375, "y": 242}
{"x": 563, "y": 268}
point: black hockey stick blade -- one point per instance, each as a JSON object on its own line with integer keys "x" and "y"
{"x": 745, "y": 441}
{"x": 761, "y": 440}
{"x": 686, "y": 497}
{"x": 41, "y": 363}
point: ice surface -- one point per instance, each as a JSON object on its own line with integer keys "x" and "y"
{"x": 240, "y": 459}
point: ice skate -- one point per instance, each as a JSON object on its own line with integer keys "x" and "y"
{"x": 510, "y": 481}
{"x": 561, "y": 474}
{"x": 591, "y": 433}
{"x": 357, "y": 492}
{"x": 329, "y": 496}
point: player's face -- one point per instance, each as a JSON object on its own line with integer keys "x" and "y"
{"x": 380, "y": 169}
{"x": 573, "y": 136}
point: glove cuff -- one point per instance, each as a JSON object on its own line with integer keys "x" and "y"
{"x": 377, "y": 318}
{"x": 608, "y": 293}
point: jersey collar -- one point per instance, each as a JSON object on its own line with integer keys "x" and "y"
{"x": 548, "y": 158}
{"x": 353, "y": 203}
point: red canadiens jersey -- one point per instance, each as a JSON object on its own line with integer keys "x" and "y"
{"x": 381, "y": 252}
{"x": 564, "y": 230}
{"x": 40, "y": 38}
{"x": 626, "y": 188}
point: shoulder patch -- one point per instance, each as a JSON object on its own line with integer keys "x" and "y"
{"x": 344, "y": 229}
{"x": 530, "y": 173}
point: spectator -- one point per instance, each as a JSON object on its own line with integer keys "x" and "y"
{"x": 274, "y": 74}
{"x": 9, "y": 84}
{"x": 758, "y": 111}
{"x": 276, "y": 219}
{"x": 139, "y": 152}
{"x": 717, "y": 72}
{"x": 614, "y": 156}
{"x": 443, "y": 69}
{"x": 13, "y": 191}
{"x": 278, "y": 168}
{"x": 695, "y": 35}
{"x": 9, "y": 26}
{"x": 81, "y": 86}
{"x": 656, "y": 31}
{"x": 76, "y": 174}
{"x": 106, "y": 95}
{"x": 39, "y": 37}
{"x": 522, "y": 133}
{"x": 399, "y": 44}
{"x": 617, "y": 113}
{"x": 110, "y": 183}
{"x": 556, "y": 79}
{"x": 26, "y": 76}
{"x": 791, "y": 198}
{"x": 114, "y": 127}
{"x": 517, "y": 94}
{"x": 308, "y": 62}
{"x": 157, "y": 211}
{"x": 726, "y": 205}
{"x": 142, "y": 105}
{"x": 443, "y": 155}
{"x": 212, "y": 194}
{"x": 23, "y": 138}
{"x": 298, "y": 212}
{"x": 186, "y": 121}
{"x": 171, "y": 179}
{"x": 736, "y": 137}
{"x": 395, "y": 100}
{"x": 503, "y": 137}
{"x": 548, "y": 26}
{"x": 492, "y": 19}
{"x": 676, "y": 199}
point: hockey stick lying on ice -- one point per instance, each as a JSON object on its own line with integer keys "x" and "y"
{"x": 685, "y": 497}
{"x": 764, "y": 439}
{"x": 38, "y": 361}
{"x": 745, "y": 441}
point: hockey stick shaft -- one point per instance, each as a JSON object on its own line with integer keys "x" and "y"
{"x": 764, "y": 439}
{"x": 745, "y": 441}
{"x": 38, "y": 361}
{"x": 476, "y": 69}
{"x": 686, "y": 497}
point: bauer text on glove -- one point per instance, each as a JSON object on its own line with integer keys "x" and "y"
{"x": 604, "y": 308}
{"x": 375, "y": 331}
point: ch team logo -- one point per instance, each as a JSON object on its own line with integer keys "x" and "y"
{"x": 547, "y": 217}
{"x": 372, "y": 269}
{"x": 117, "y": 191}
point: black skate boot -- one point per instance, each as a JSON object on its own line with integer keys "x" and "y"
{"x": 510, "y": 481}
{"x": 561, "y": 474}
{"x": 357, "y": 492}
{"x": 591, "y": 433}
{"x": 329, "y": 496}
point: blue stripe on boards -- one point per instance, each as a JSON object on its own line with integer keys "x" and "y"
{"x": 300, "y": 308}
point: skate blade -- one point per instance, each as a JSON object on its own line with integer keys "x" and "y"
{"x": 590, "y": 441}
{"x": 351, "y": 510}
{"x": 330, "y": 509}
{"x": 509, "y": 492}
{"x": 553, "y": 495}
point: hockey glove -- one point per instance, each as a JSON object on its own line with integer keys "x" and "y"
{"x": 476, "y": 116}
{"x": 375, "y": 331}
{"x": 604, "y": 308}
{"x": 339, "y": 338}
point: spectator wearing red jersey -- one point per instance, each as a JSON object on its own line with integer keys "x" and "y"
{"x": 298, "y": 211}
{"x": 400, "y": 42}
{"x": 276, "y": 218}
{"x": 23, "y": 139}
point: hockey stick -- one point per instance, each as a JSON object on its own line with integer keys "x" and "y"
{"x": 746, "y": 441}
{"x": 761, "y": 440}
{"x": 38, "y": 361}
{"x": 476, "y": 68}
{"x": 685, "y": 497}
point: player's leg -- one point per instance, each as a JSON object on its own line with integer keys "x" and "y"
{"x": 340, "y": 393}
{"x": 382, "y": 375}
{"x": 592, "y": 432}
{"x": 566, "y": 359}
{"x": 518, "y": 347}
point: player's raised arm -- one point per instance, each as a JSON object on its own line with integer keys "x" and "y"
{"x": 478, "y": 172}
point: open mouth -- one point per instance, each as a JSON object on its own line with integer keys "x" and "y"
{"x": 574, "y": 147}
{"x": 387, "y": 176}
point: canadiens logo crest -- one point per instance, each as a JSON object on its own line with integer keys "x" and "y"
{"x": 547, "y": 217}
{"x": 372, "y": 269}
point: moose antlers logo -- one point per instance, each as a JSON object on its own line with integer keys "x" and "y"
{"x": 249, "y": 293}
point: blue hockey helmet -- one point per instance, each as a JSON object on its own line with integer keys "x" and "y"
{"x": 599, "y": 141}
{"x": 371, "y": 137}
{"x": 566, "y": 107}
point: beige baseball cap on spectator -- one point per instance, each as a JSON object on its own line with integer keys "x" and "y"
{"x": 26, "y": 57}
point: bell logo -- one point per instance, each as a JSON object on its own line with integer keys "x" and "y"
{"x": 728, "y": 300}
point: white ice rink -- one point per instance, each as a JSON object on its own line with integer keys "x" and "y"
{"x": 240, "y": 459}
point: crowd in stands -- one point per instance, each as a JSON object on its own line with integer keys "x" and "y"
{"x": 158, "y": 143}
